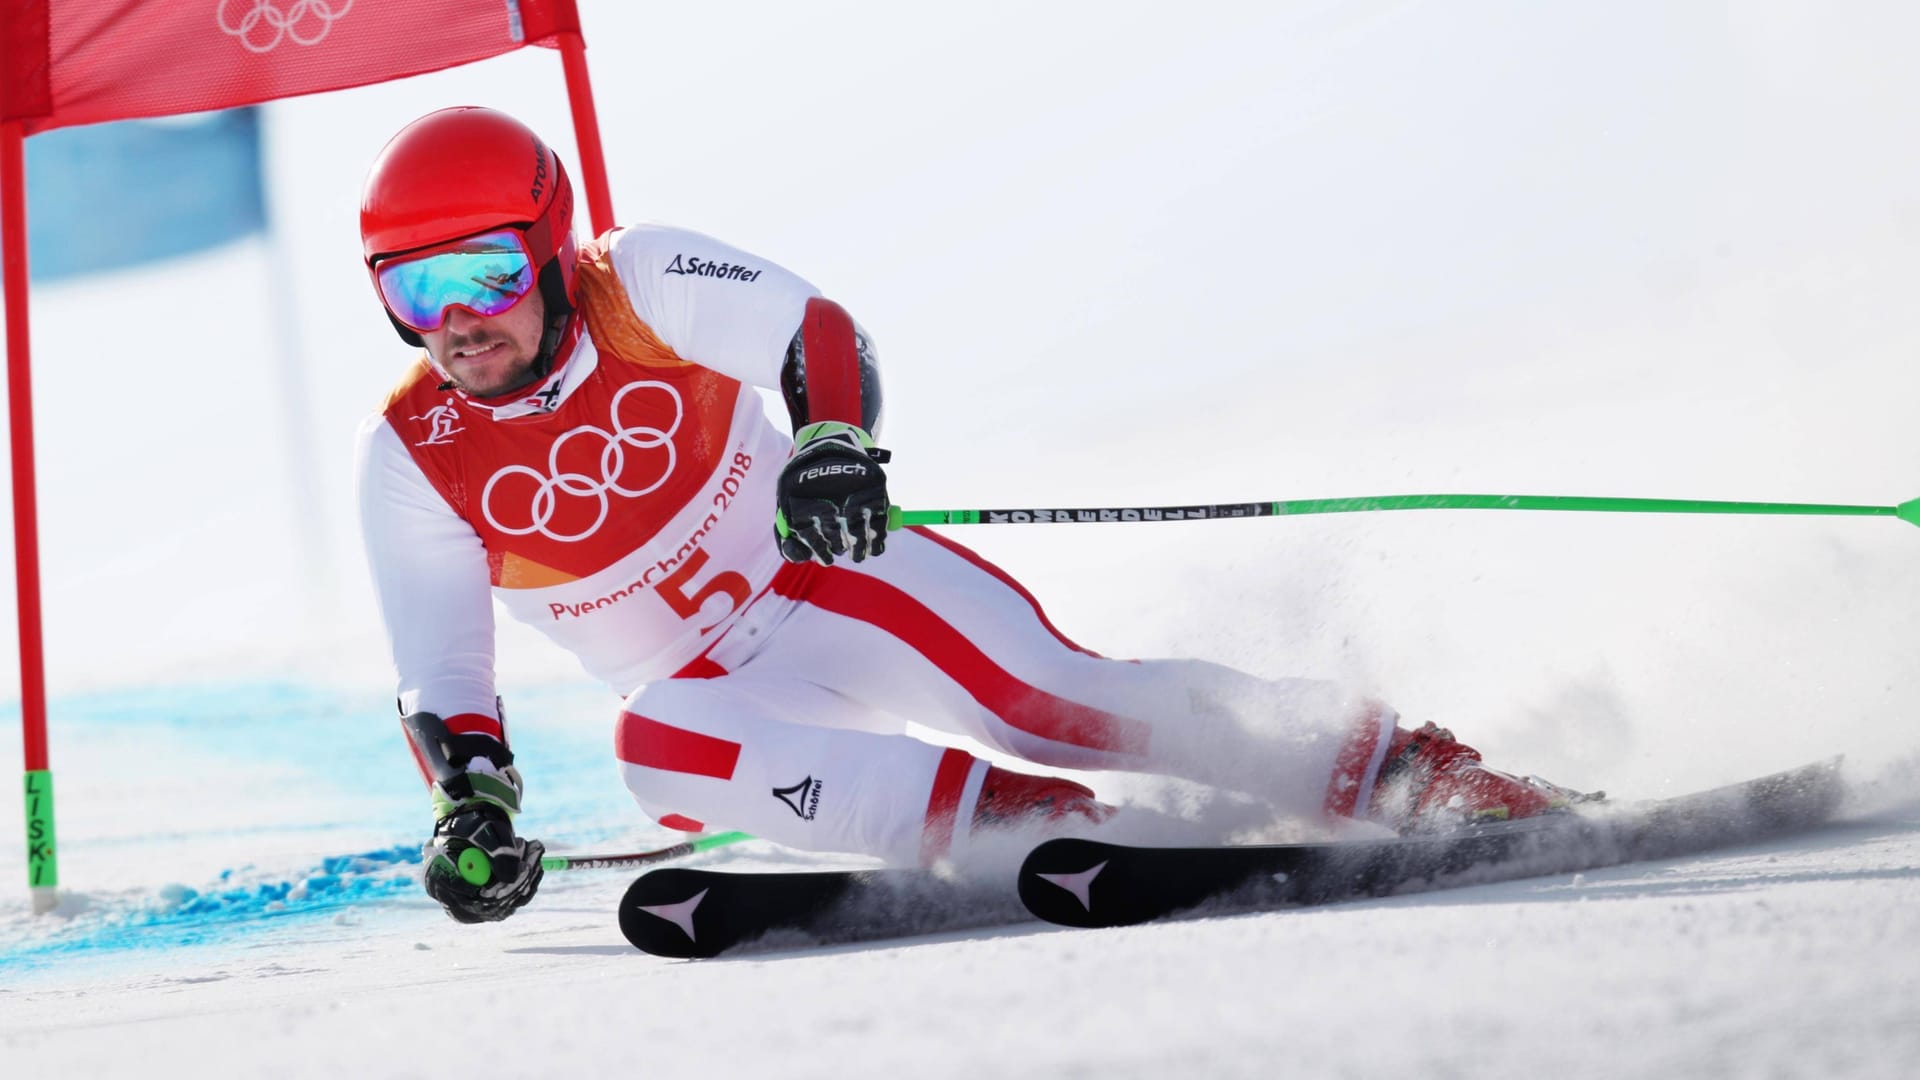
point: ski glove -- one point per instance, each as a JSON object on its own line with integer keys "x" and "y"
{"x": 475, "y": 865}
{"x": 832, "y": 496}
{"x": 477, "y": 868}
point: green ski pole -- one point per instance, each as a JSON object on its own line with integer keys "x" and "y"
{"x": 897, "y": 517}
{"x": 642, "y": 858}
{"x": 477, "y": 869}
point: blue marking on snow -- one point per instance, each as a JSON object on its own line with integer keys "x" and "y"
{"x": 248, "y": 744}
{"x": 232, "y": 906}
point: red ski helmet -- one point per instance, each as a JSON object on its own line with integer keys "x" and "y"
{"x": 468, "y": 170}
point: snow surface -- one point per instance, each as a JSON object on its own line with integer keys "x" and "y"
{"x": 1111, "y": 254}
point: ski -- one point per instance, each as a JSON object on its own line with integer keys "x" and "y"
{"x": 690, "y": 913}
{"x": 1088, "y": 883}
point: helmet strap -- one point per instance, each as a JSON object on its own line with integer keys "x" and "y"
{"x": 560, "y": 318}
{"x": 550, "y": 344}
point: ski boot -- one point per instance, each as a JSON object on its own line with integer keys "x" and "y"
{"x": 1009, "y": 799}
{"x": 1432, "y": 782}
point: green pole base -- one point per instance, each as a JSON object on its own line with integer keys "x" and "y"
{"x": 43, "y": 864}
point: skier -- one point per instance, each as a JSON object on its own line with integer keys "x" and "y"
{"x": 580, "y": 439}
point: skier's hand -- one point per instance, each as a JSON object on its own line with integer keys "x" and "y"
{"x": 477, "y": 868}
{"x": 832, "y": 496}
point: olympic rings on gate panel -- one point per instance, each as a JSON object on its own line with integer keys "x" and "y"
{"x": 304, "y": 21}
{"x": 554, "y": 483}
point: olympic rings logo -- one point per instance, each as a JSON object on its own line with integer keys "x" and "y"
{"x": 555, "y": 482}
{"x": 294, "y": 23}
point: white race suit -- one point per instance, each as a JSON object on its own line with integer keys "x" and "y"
{"x": 624, "y": 506}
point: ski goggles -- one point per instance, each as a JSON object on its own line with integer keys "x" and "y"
{"x": 486, "y": 274}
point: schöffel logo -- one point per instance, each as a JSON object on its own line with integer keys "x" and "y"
{"x": 802, "y": 798}
{"x": 694, "y": 266}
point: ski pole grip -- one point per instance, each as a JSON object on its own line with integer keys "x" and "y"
{"x": 475, "y": 867}
{"x": 1908, "y": 511}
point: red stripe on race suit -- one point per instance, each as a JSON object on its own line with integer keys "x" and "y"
{"x": 943, "y": 806}
{"x": 654, "y": 745}
{"x": 700, "y": 667}
{"x": 833, "y": 362}
{"x": 1019, "y": 705}
{"x": 1006, "y": 579}
{"x": 786, "y": 579}
{"x": 684, "y": 824}
{"x": 468, "y": 723}
{"x": 460, "y": 724}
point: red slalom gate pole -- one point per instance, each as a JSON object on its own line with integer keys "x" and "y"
{"x": 43, "y": 875}
{"x": 586, "y": 131}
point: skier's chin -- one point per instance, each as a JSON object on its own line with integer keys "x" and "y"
{"x": 491, "y": 380}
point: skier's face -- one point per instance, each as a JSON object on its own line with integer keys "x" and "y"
{"x": 488, "y": 357}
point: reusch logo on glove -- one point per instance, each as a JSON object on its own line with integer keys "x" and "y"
{"x": 694, "y": 266}
{"x": 848, "y": 468}
{"x": 802, "y": 798}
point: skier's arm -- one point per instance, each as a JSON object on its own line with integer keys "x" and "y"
{"x": 830, "y": 372}
{"x": 433, "y": 588}
{"x": 713, "y": 304}
{"x": 431, "y": 583}
{"x": 743, "y": 316}
{"x": 833, "y": 494}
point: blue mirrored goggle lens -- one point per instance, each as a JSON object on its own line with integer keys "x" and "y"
{"x": 486, "y": 275}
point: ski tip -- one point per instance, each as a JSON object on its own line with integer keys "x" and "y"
{"x": 1059, "y": 882}
{"x": 661, "y": 914}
